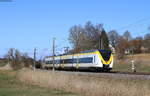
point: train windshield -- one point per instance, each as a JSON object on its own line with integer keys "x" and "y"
{"x": 105, "y": 54}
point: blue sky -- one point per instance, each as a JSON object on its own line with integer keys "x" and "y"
{"x": 26, "y": 24}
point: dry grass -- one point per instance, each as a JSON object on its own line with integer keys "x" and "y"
{"x": 11, "y": 86}
{"x": 86, "y": 85}
{"x": 142, "y": 63}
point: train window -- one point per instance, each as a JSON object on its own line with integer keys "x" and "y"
{"x": 67, "y": 61}
{"x": 49, "y": 62}
{"x": 86, "y": 60}
{"x": 70, "y": 61}
{"x": 57, "y": 61}
{"x": 61, "y": 61}
{"x": 74, "y": 60}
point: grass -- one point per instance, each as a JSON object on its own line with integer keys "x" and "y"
{"x": 2, "y": 64}
{"x": 87, "y": 85}
{"x": 142, "y": 63}
{"x": 11, "y": 86}
{"x": 43, "y": 83}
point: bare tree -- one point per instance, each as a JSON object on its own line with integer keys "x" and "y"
{"x": 14, "y": 58}
{"x": 88, "y": 37}
{"x": 127, "y": 35}
{"x": 113, "y": 38}
{"x": 93, "y": 35}
{"x": 122, "y": 45}
{"x": 76, "y": 36}
{"x": 146, "y": 41}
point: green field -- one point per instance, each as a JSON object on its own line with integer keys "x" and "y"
{"x": 2, "y": 64}
{"x": 10, "y": 86}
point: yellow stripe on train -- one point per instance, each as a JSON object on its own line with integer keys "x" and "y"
{"x": 102, "y": 59}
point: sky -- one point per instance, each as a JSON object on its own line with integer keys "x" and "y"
{"x": 29, "y": 24}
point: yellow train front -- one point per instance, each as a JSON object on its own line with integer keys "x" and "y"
{"x": 96, "y": 60}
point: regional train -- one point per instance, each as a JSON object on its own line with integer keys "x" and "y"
{"x": 98, "y": 60}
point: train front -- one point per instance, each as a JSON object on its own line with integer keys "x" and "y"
{"x": 106, "y": 59}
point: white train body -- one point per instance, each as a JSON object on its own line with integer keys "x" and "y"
{"x": 95, "y": 60}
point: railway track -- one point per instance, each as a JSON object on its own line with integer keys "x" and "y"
{"x": 112, "y": 74}
{"x": 131, "y": 73}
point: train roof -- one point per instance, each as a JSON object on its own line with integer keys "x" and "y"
{"x": 101, "y": 50}
{"x": 88, "y": 51}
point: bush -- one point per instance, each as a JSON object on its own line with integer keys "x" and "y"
{"x": 18, "y": 60}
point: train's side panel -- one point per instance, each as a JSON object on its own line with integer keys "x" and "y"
{"x": 63, "y": 64}
{"x": 98, "y": 60}
{"x": 81, "y": 65}
{"x": 75, "y": 65}
{"x": 46, "y": 62}
{"x": 78, "y": 64}
{"x": 57, "y": 61}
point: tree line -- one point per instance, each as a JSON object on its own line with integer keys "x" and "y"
{"x": 90, "y": 37}
{"x": 18, "y": 60}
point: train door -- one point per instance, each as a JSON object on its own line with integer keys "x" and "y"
{"x": 72, "y": 62}
{"x": 61, "y": 62}
{"x": 77, "y": 62}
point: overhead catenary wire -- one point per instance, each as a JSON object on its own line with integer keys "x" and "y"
{"x": 134, "y": 24}
{"x": 136, "y": 27}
